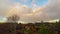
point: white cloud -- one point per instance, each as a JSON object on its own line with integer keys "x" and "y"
{"x": 5, "y": 6}
{"x": 51, "y": 11}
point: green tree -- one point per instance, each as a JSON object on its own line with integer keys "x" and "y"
{"x": 58, "y": 24}
{"x": 43, "y": 29}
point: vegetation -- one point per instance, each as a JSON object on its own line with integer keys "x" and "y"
{"x": 40, "y": 28}
{"x": 13, "y": 19}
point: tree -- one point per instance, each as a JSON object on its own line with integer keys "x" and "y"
{"x": 13, "y": 20}
{"x": 43, "y": 29}
{"x": 58, "y": 24}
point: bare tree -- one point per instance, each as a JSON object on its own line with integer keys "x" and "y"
{"x": 13, "y": 20}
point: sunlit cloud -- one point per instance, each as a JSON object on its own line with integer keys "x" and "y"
{"x": 47, "y": 12}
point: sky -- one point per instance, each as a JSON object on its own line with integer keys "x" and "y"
{"x": 31, "y": 10}
{"x": 28, "y": 2}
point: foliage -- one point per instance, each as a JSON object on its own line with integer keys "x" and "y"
{"x": 43, "y": 29}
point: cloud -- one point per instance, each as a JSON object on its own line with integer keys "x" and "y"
{"x": 5, "y": 6}
{"x": 19, "y": 9}
{"x": 48, "y": 12}
{"x": 25, "y": 0}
